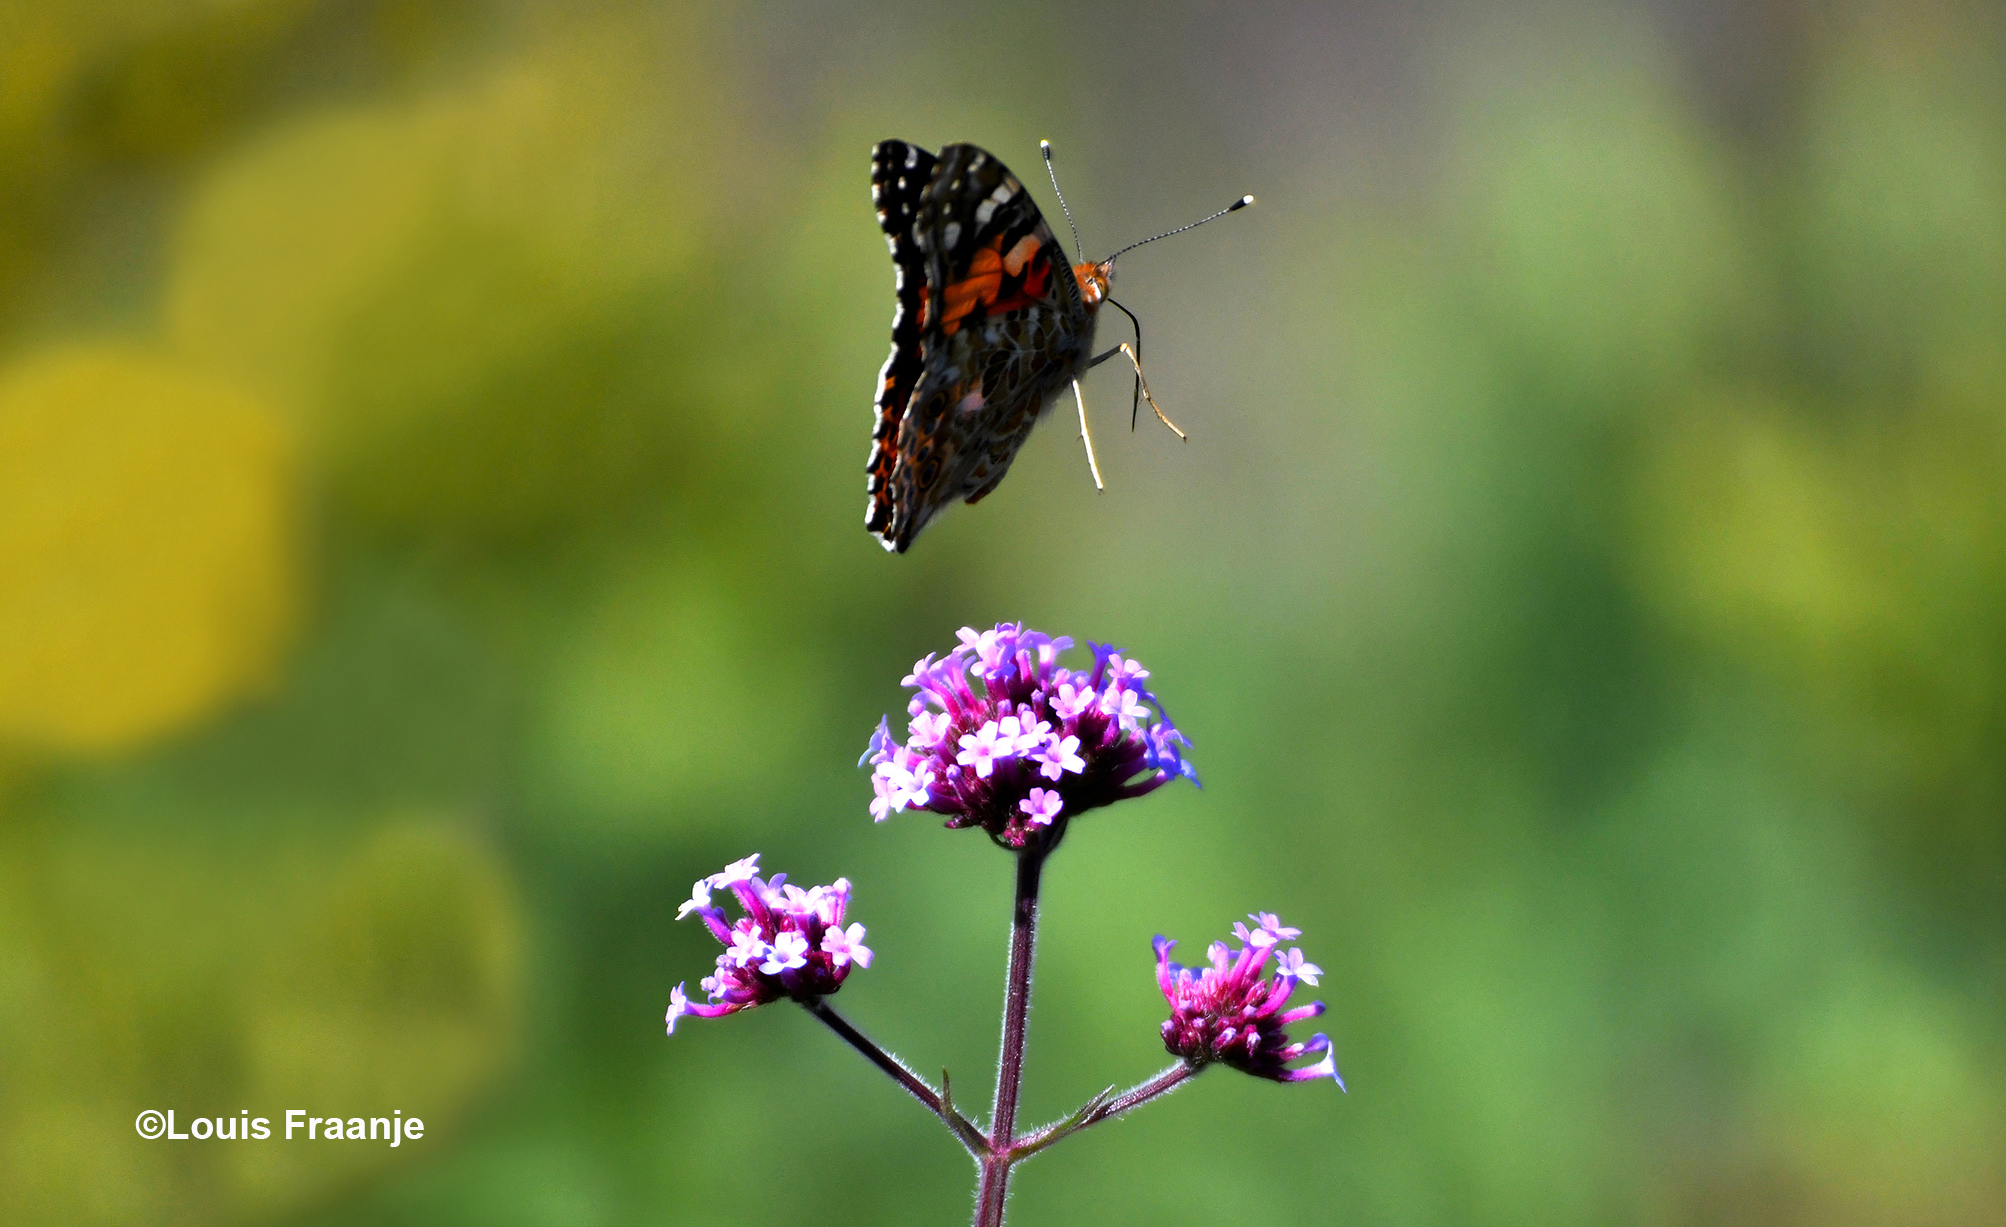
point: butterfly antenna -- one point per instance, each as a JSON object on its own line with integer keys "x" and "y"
{"x": 1241, "y": 203}
{"x": 1135, "y": 408}
{"x": 1045, "y": 147}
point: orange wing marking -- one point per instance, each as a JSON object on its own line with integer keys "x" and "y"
{"x": 984, "y": 282}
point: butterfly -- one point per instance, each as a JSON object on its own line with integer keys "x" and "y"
{"x": 992, "y": 323}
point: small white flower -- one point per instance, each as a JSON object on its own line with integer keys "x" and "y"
{"x": 844, "y": 945}
{"x": 788, "y": 951}
{"x": 1124, "y": 704}
{"x": 1273, "y": 924}
{"x": 738, "y": 871}
{"x": 1292, "y": 967}
{"x": 1043, "y": 805}
{"x": 745, "y": 946}
{"x": 699, "y": 898}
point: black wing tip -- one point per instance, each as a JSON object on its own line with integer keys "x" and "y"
{"x": 885, "y": 149}
{"x": 895, "y": 535}
{"x": 880, "y": 520}
{"x": 894, "y": 543}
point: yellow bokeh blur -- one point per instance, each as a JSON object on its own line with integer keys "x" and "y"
{"x": 415, "y": 282}
{"x": 146, "y": 530}
{"x": 377, "y": 970}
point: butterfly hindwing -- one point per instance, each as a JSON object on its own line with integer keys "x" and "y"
{"x": 899, "y": 174}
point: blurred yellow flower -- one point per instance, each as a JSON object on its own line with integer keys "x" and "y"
{"x": 146, "y": 575}
{"x": 466, "y": 296}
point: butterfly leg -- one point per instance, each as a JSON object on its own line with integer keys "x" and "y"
{"x": 1092, "y": 465}
{"x": 1128, "y": 353}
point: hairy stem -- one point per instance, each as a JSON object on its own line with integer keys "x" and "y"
{"x": 1102, "y": 1108}
{"x": 994, "y": 1186}
{"x": 913, "y": 1083}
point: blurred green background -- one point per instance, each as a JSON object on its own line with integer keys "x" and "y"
{"x": 431, "y": 495}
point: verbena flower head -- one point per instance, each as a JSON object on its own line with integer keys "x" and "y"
{"x": 1228, "y": 1012}
{"x": 790, "y": 942}
{"x": 1004, "y": 738}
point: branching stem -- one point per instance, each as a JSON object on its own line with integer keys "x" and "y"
{"x": 914, "y": 1085}
{"x": 1002, "y": 1148}
{"x": 1104, "y": 1106}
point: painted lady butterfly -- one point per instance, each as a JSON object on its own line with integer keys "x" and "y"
{"x": 992, "y": 324}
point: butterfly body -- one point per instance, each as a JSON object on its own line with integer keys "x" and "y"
{"x": 992, "y": 323}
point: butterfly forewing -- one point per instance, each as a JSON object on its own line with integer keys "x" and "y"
{"x": 899, "y": 174}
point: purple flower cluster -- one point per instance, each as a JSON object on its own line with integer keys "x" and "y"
{"x": 1228, "y": 1013}
{"x": 1005, "y": 739}
{"x": 790, "y": 942}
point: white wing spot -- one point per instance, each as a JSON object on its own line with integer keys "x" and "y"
{"x": 951, "y": 233}
{"x": 985, "y": 211}
{"x": 884, "y": 372}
